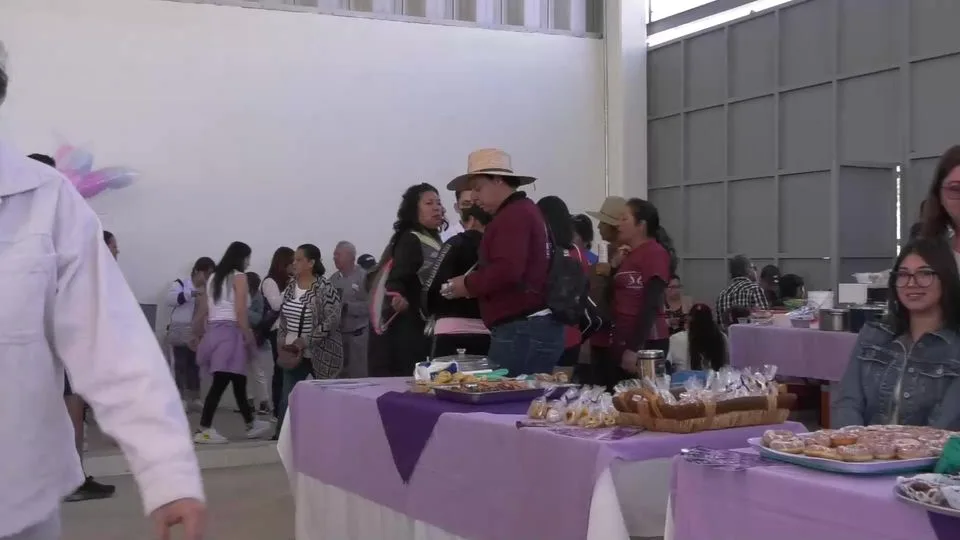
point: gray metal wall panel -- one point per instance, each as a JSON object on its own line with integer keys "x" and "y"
{"x": 816, "y": 273}
{"x": 933, "y": 27}
{"x": 665, "y": 72}
{"x": 704, "y": 151}
{"x": 806, "y": 117}
{"x": 669, "y": 203}
{"x": 870, "y": 35}
{"x": 705, "y": 70}
{"x": 664, "y": 152}
{"x": 708, "y": 277}
{"x": 752, "y": 60}
{"x": 934, "y": 105}
{"x": 752, "y": 217}
{"x": 805, "y": 227}
{"x": 807, "y": 43}
{"x": 868, "y": 212}
{"x": 914, "y": 188}
{"x": 703, "y": 237}
{"x": 752, "y": 137}
{"x": 869, "y": 119}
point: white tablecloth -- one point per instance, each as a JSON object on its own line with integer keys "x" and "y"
{"x": 629, "y": 500}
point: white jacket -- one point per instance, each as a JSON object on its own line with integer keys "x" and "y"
{"x": 64, "y": 303}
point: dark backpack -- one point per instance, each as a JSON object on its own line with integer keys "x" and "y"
{"x": 567, "y": 285}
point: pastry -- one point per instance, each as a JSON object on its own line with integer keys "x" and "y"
{"x": 817, "y": 438}
{"x": 610, "y": 418}
{"x": 913, "y": 452}
{"x": 821, "y": 451}
{"x": 855, "y": 453}
{"x": 554, "y": 414}
{"x": 443, "y": 377}
{"x": 561, "y": 377}
{"x": 771, "y": 435}
{"x": 570, "y": 416}
{"x": 935, "y": 450}
{"x": 843, "y": 438}
{"x": 538, "y": 409}
{"x": 882, "y": 450}
{"x": 790, "y": 446}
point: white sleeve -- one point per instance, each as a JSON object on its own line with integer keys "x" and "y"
{"x": 677, "y": 354}
{"x": 173, "y": 294}
{"x": 115, "y": 362}
{"x": 271, "y": 292}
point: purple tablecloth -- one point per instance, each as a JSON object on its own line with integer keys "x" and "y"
{"x": 798, "y": 352}
{"x": 408, "y": 420}
{"x": 479, "y": 476}
{"x": 792, "y": 503}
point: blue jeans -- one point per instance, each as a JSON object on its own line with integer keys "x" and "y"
{"x": 527, "y": 346}
{"x": 290, "y": 379}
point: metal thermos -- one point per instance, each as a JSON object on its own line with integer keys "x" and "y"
{"x": 835, "y": 319}
{"x": 651, "y": 363}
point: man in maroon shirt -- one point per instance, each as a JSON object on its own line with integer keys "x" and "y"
{"x": 511, "y": 277}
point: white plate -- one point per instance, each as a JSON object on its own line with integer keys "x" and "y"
{"x": 945, "y": 510}
{"x": 895, "y": 466}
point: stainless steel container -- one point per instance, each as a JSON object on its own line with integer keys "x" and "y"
{"x": 835, "y": 319}
{"x": 651, "y": 363}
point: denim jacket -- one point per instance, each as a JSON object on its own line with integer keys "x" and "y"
{"x": 892, "y": 381}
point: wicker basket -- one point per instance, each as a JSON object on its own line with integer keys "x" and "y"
{"x": 649, "y": 417}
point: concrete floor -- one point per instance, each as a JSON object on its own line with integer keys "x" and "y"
{"x": 244, "y": 503}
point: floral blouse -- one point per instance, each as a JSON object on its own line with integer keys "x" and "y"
{"x": 323, "y": 340}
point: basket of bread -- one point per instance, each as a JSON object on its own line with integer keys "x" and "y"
{"x": 727, "y": 398}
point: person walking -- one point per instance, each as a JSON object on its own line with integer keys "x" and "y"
{"x": 354, "y": 322}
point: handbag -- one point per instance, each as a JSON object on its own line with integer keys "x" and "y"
{"x": 288, "y": 356}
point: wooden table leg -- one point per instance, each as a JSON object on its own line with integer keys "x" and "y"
{"x": 825, "y": 406}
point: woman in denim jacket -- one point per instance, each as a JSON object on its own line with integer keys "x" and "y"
{"x": 906, "y": 370}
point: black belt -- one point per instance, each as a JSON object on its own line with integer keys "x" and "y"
{"x": 357, "y": 332}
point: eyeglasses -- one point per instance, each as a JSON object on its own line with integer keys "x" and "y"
{"x": 921, "y": 278}
{"x": 951, "y": 191}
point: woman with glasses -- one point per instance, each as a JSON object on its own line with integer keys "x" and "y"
{"x": 906, "y": 370}
{"x": 941, "y": 210}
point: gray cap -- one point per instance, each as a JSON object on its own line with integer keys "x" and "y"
{"x": 366, "y": 261}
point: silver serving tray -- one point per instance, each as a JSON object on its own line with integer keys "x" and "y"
{"x": 893, "y": 466}
{"x": 488, "y": 398}
{"x": 937, "y": 509}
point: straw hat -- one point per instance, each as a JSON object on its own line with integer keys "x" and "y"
{"x": 489, "y": 161}
{"x": 610, "y": 210}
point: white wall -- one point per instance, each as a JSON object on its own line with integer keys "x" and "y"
{"x": 283, "y": 128}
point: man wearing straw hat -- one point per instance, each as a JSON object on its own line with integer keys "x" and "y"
{"x": 66, "y": 304}
{"x": 511, "y": 278}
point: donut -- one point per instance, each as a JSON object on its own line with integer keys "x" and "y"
{"x": 789, "y": 446}
{"x": 913, "y": 452}
{"x": 843, "y": 438}
{"x": 817, "y": 439}
{"x": 882, "y": 450}
{"x": 771, "y": 435}
{"x": 855, "y": 453}
{"x": 935, "y": 450}
{"x": 821, "y": 451}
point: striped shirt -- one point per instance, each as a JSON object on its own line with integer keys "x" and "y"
{"x": 298, "y": 316}
{"x": 740, "y": 293}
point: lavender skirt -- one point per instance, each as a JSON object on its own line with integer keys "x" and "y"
{"x": 222, "y": 348}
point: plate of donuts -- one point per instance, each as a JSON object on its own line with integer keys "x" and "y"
{"x": 857, "y": 449}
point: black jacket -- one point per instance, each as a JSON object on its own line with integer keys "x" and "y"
{"x": 458, "y": 255}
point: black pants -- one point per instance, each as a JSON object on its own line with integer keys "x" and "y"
{"x": 186, "y": 372}
{"x": 405, "y": 344}
{"x": 220, "y": 381}
{"x": 276, "y": 382}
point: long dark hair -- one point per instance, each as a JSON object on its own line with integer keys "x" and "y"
{"x": 559, "y": 222}
{"x": 408, "y": 215}
{"x": 107, "y": 237}
{"x": 312, "y": 253}
{"x": 934, "y": 216}
{"x": 583, "y": 226}
{"x": 938, "y": 255}
{"x": 705, "y": 339}
{"x": 232, "y": 261}
{"x": 3, "y": 82}
{"x": 645, "y": 211}
{"x": 281, "y": 261}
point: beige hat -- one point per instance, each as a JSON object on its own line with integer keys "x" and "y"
{"x": 610, "y": 210}
{"x": 489, "y": 161}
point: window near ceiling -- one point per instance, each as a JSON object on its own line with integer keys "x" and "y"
{"x": 661, "y": 9}
{"x": 709, "y": 22}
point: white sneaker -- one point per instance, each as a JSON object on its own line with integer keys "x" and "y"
{"x": 209, "y": 436}
{"x": 258, "y": 428}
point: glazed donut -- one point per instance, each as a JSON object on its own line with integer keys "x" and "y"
{"x": 821, "y": 451}
{"x": 771, "y": 435}
{"x": 843, "y": 438}
{"x": 790, "y": 446}
{"x": 913, "y": 452}
{"x": 882, "y": 450}
{"x": 935, "y": 450}
{"x": 817, "y": 439}
{"x": 855, "y": 453}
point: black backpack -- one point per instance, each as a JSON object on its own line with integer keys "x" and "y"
{"x": 567, "y": 285}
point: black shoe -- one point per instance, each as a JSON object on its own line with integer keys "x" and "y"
{"x": 91, "y": 489}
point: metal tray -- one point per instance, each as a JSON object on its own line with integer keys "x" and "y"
{"x": 488, "y": 398}
{"x": 896, "y": 466}
{"x": 937, "y": 509}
